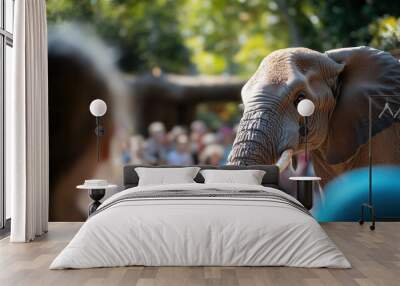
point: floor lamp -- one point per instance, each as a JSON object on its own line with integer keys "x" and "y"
{"x": 98, "y": 108}
{"x": 305, "y": 108}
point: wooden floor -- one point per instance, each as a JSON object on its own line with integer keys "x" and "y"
{"x": 375, "y": 257}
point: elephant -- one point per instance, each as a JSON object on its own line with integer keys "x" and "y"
{"x": 339, "y": 82}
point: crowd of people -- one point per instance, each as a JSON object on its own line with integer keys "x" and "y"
{"x": 180, "y": 145}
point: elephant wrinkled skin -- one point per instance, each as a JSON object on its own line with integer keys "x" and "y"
{"x": 339, "y": 83}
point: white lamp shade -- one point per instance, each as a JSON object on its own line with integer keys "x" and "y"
{"x": 305, "y": 107}
{"x": 98, "y": 107}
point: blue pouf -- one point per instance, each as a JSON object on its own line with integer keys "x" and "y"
{"x": 344, "y": 196}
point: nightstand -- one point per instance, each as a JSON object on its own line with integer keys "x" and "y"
{"x": 96, "y": 193}
{"x": 305, "y": 190}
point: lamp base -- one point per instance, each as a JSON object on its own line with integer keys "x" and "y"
{"x": 96, "y": 195}
{"x": 372, "y": 211}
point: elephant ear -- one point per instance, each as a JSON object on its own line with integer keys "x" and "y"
{"x": 366, "y": 72}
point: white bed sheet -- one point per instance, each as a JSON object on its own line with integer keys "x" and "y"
{"x": 200, "y": 231}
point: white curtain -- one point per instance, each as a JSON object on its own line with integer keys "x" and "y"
{"x": 27, "y": 124}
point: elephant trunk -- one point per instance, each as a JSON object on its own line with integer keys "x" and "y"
{"x": 257, "y": 140}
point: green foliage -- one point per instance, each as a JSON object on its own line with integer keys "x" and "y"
{"x": 216, "y": 115}
{"x": 346, "y": 23}
{"x": 238, "y": 33}
{"x": 147, "y": 33}
{"x": 59, "y": 10}
{"x": 227, "y": 36}
{"x": 386, "y": 33}
{"x": 252, "y": 52}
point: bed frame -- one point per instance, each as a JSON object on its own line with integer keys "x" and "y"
{"x": 270, "y": 179}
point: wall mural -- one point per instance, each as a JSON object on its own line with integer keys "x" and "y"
{"x": 219, "y": 82}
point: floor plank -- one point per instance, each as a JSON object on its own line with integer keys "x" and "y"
{"x": 375, "y": 257}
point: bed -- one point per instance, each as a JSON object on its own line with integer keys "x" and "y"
{"x": 198, "y": 224}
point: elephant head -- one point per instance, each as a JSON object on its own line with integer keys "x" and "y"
{"x": 338, "y": 82}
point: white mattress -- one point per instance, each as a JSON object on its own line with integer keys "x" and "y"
{"x": 200, "y": 231}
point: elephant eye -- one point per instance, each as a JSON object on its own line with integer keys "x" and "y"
{"x": 299, "y": 97}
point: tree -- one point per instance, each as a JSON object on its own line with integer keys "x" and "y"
{"x": 233, "y": 36}
{"x": 146, "y": 33}
{"x": 222, "y": 36}
{"x": 385, "y": 33}
{"x": 346, "y": 23}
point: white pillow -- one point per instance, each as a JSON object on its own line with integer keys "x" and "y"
{"x": 248, "y": 177}
{"x": 163, "y": 176}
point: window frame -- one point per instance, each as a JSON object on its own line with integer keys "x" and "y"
{"x": 6, "y": 39}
